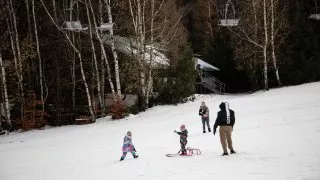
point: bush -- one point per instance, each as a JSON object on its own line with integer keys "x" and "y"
{"x": 118, "y": 110}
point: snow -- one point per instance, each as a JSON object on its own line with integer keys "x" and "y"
{"x": 276, "y": 136}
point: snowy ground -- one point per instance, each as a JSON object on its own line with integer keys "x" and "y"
{"x": 276, "y": 135}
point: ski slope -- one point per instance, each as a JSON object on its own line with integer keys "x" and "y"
{"x": 276, "y": 136}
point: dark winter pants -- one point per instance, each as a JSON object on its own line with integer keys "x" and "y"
{"x": 205, "y": 120}
{"x": 225, "y": 137}
{"x": 183, "y": 147}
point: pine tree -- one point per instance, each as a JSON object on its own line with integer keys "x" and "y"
{"x": 185, "y": 76}
{"x": 181, "y": 83}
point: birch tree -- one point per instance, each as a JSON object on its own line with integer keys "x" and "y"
{"x": 254, "y": 19}
{"x": 151, "y": 22}
{"x": 95, "y": 62}
{"x": 136, "y": 18}
{"x": 103, "y": 70}
{"x": 278, "y": 24}
{"x": 28, "y": 18}
{"x": 6, "y": 98}
{"x": 103, "y": 52}
{"x": 16, "y": 50}
{"x": 265, "y": 45}
{"x": 39, "y": 56}
{"x": 274, "y": 60}
{"x": 113, "y": 49}
{"x": 266, "y": 18}
{"x": 90, "y": 108}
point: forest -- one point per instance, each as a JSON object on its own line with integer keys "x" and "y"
{"x": 68, "y": 59}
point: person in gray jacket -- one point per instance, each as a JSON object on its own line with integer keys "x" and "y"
{"x": 204, "y": 113}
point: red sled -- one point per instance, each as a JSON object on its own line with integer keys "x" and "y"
{"x": 190, "y": 152}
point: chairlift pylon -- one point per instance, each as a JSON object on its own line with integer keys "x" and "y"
{"x": 230, "y": 18}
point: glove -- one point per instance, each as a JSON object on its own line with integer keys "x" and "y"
{"x": 214, "y": 132}
{"x": 175, "y": 131}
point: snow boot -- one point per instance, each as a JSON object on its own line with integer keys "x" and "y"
{"x": 232, "y": 152}
{"x": 135, "y": 156}
{"x": 204, "y": 131}
{"x": 225, "y": 154}
{"x": 122, "y": 158}
{"x": 184, "y": 153}
{"x": 209, "y": 130}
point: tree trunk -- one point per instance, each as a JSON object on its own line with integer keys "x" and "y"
{"x": 28, "y": 18}
{"x": 274, "y": 58}
{"x": 103, "y": 70}
{"x": 73, "y": 76}
{"x": 114, "y": 52}
{"x": 39, "y": 56}
{"x": 54, "y": 10}
{"x": 86, "y": 86}
{"x": 14, "y": 55}
{"x": 140, "y": 43}
{"x": 150, "y": 78}
{"x": 253, "y": 77}
{"x": 265, "y": 63}
{"x": 6, "y": 99}
{"x": 103, "y": 52}
{"x": 70, "y": 12}
{"x": 94, "y": 56}
{"x": 17, "y": 47}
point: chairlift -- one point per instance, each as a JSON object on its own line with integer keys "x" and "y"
{"x": 73, "y": 25}
{"x": 105, "y": 26}
{"x": 230, "y": 17}
{"x": 316, "y": 13}
{"x": 315, "y": 16}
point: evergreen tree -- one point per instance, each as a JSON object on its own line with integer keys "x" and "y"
{"x": 181, "y": 83}
{"x": 185, "y": 76}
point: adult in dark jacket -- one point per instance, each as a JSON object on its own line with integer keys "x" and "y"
{"x": 225, "y": 120}
{"x": 204, "y": 113}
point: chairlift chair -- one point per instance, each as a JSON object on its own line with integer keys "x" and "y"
{"x": 73, "y": 26}
{"x": 230, "y": 17}
{"x": 316, "y": 14}
{"x": 105, "y": 26}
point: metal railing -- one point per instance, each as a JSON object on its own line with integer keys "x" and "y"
{"x": 213, "y": 84}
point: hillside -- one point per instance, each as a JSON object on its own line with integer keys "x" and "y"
{"x": 276, "y": 136}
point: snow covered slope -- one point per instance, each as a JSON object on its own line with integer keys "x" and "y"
{"x": 276, "y": 135}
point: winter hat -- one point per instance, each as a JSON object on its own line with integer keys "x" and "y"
{"x": 222, "y": 106}
{"x": 182, "y": 127}
{"x": 225, "y": 106}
